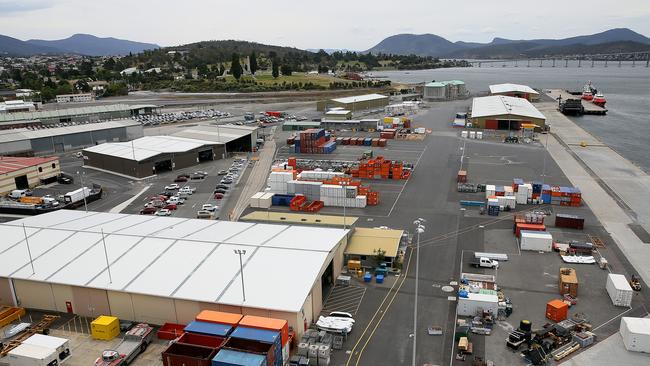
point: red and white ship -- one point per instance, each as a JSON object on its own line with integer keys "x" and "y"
{"x": 599, "y": 100}
{"x": 588, "y": 92}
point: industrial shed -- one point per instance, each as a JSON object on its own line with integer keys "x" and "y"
{"x": 23, "y": 173}
{"x": 354, "y": 103}
{"x": 236, "y": 138}
{"x": 499, "y": 112}
{"x": 301, "y": 219}
{"x": 366, "y": 242}
{"x": 66, "y": 115}
{"x": 515, "y": 90}
{"x": 151, "y": 155}
{"x": 163, "y": 269}
{"x": 38, "y": 141}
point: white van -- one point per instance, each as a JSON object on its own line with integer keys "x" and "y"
{"x": 18, "y": 193}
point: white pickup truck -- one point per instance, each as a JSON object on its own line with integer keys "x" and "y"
{"x": 484, "y": 262}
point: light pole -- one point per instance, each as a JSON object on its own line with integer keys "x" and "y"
{"x": 419, "y": 227}
{"x": 241, "y": 252}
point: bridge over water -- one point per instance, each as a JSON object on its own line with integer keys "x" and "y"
{"x": 627, "y": 59}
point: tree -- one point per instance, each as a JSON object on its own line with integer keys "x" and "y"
{"x": 253, "y": 62}
{"x": 82, "y": 86}
{"x": 235, "y": 67}
{"x": 109, "y": 64}
{"x": 286, "y": 70}
{"x": 275, "y": 68}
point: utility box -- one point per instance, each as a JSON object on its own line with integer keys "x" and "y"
{"x": 105, "y": 327}
{"x": 60, "y": 345}
{"x": 557, "y": 310}
{"x": 568, "y": 282}
{"x": 31, "y": 355}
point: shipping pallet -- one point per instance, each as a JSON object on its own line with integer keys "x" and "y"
{"x": 42, "y": 327}
{"x": 596, "y": 241}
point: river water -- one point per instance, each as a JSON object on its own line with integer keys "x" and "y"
{"x": 626, "y": 127}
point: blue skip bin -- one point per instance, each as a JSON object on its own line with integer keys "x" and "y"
{"x": 379, "y": 278}
{"x": 367, "y": 277}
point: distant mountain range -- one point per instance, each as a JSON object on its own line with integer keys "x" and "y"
{"x": 613, "y": 40}
{"x": 329, "y": 51}
{"x": 82, "y": 44}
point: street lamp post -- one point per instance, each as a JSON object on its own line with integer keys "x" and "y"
{"x": 241, "y": 252}
{"x": 419, "y": 224}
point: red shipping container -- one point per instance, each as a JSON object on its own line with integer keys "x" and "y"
{"x": 531, "y": 227}
{"x": 178, "y": 354}
{"x": 170, "y": 331}
{"x": 569, "y": 221}
{"x": 202, "y": 340}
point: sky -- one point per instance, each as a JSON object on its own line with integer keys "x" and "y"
{"x": 355, "y": 25}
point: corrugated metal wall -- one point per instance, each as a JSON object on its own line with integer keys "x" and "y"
{"x": 37, "y": 295}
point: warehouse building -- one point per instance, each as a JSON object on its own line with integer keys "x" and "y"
{"x": 40, "y": 140}
{"x": 151, "y": 155}
{"x": 354, "y": 103}
{"x": 499, "y": 112}
{"x": 515, "y": 90}
{"x": 444, "y": 90}
{"x": 236, "y": 138}
{"x": 301, "y": 219}
{"x": 75, "y": 98}
{"x": 23, "y": 173}
{"x": 79, "y": 114}
{"x": 368, "y": 244}
{"x": 163, "y": 269}
{"x": 299, "y": 125}
{"x": 16, "y": 106}
{"x": 338, "y": 114}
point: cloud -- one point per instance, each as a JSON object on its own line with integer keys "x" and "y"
{"x": 8, "y": 7}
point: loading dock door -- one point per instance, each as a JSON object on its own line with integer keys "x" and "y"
{"x": 163, "y": 166}
{"x": 206, "y": 155}
{"x": 491, "y": 124}
{"x": 21, "y": 182}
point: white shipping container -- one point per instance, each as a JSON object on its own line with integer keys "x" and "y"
{"x": 31, "y": 355}
{"x": 508, "y": 191}
{"x": 474, "y": 303}
{"x": 255, "y": 199}
{"x": 490, "y": 190}
{"x": 619, "y": 290}
{"x": 266, "y": 200}
{"x": 636, "y": 334}
{"x": 536, "y": 241}
{"x": 60, "y": 345}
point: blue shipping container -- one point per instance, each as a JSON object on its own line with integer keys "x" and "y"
{"x": 281, "y": 199}
{"x": 262, "y": 336}
{"x": 227, "y": 357}
{"x": 221, "y": 330}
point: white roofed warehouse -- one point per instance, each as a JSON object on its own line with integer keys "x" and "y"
{"x": 354, "y": 103}
{"x": 151, "y": 155}
{"x": 515, "y": 90}
{"x": 499, "y": 112}
{"x": 163, "y": 269}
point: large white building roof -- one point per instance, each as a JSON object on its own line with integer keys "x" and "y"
{"x": 496, "y": 105}
{"x": 509, "y": 88}
{"x": 359, "y": 98}
{"x": 21, "y": 134}
{"x": 148, "y": 146}
{"x": 280, "y": 267}
{"x": 216, "y": 133}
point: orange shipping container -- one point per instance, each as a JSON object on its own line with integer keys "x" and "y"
{"x": 212, "y": 316}
{"x": 557, "y": 310}
{"x": 259, "y": 322}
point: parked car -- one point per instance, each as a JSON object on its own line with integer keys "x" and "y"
{"x": 180, "y": 179}
{"x": 222, "y": 172}
{"x": 172, "y": 187}
{"x": 222, "y": 186}
{"x": 171, "y": 206}
{"x": 64, "y": 179}
{"x": 163, "y": 212}
{"x": 148, "y": 211}
{"x": 208, "y": 207}
{"x": 187, "y": 189}
{"x": 203, "y": 214}
{"x": 218, "y": 196}
{"x": 226, "y": 181}
{"x": 222, "y": 191}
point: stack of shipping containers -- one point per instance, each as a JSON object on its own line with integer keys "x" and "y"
{"x": 314, "y": 141}
{"x": 220, "y": 339}
{"x": 379, "y": 168}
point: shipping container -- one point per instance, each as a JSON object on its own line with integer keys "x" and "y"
{"x": 557, "y": 310}
{"x": 202, "y": 340}
{"x": 215, "y": 329}
{"x": 476, "y": 303}
{"x": 528, "y": 227}
{"x": 568, "y": 282}
{"x": 569, "y": 221}
{"x": 250, "y": 346}
{"x": 220, "y": 317}
{"x": 170, "y": 331}
{"x": 105, "y": 327}
{"x": 227, "y": 357}
{"x": 536, "y": 241}
{"x": 619, "y": 290}
{"x": 263, "y": 336}
{"x": 180, "y": 354}
{"x": 636, "y": 334}
{"x": 259, "y": 322}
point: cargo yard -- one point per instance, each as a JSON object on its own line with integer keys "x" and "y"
{"x": 343, "y": 226}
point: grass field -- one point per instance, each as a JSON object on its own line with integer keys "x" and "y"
{"x": 323, "y": 80}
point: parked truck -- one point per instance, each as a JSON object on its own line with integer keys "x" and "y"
{"x": 135, "y": 342}
{"x": 483, "y": 262}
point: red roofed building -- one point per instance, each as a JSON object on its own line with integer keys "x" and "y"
{"x": 22, "y": 173}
